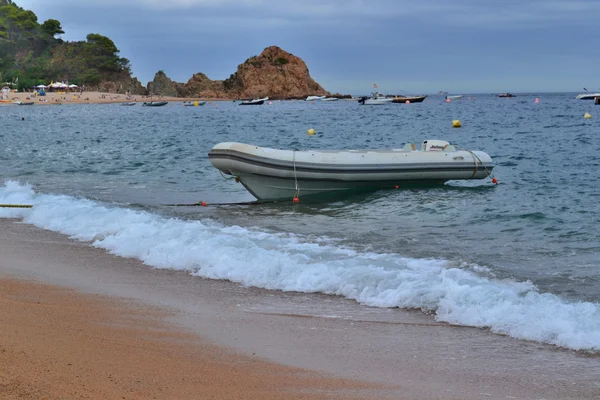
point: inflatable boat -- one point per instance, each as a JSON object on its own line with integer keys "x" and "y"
{"x": 272, "y": 174}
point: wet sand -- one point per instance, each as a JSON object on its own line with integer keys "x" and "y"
{"x": 132, "y": 331}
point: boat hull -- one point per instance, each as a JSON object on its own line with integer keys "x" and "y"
{"x": 155, "y": 104}
{"x": 271, "y": 175}
{"x": 376, "y": 102}
{"x": 587, "y": 96}
{"x": 412, "y": 99}
{"x": 252, "y": 103}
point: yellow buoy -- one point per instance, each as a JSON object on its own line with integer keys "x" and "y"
{"x": 311, "y": 131}
{"x": 195, "y": 104}
{"x": 587, "y": 116}
{"x": 456, "y": 123}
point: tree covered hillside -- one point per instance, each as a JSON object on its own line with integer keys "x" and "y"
{"x": 32, "y": 53}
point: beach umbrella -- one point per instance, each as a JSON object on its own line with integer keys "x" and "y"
{"x": 73, "y": 85}
{"x": 42, "y": 86}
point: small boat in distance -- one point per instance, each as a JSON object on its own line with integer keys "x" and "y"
{"x": 375, "y": 99}
{"x": 329, "y": 99}
{"x": 454, "y": 97}
{"x": 154, "y": 103}
{"x": 587, "y": 96}
{"x": 507, "y": 94}
{"x": 274, "y": 174}
{"x": 412, "y": 99}
{"x": 255, "y": 102}
{"x": 24, "y": 103}
{"x": 194, "y": 103}
{"x": 129, "y": 103}
{"x": 314, "y": 98}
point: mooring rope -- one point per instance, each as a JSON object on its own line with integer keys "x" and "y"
{"x": 297, "y": 194}
{"x": 226, "y": 177}
{"x": 475, "y": 159}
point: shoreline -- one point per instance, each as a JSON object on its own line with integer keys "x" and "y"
{"x": 381, "y": 352}
{"x": 108, "y": 98}
{"x": 53, "y": 98}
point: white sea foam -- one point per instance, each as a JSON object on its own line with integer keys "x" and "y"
{"x": 291, "y": 263}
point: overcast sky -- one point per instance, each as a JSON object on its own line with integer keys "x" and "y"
{"x": 414, "y": 46}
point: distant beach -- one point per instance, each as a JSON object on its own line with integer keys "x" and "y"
{"x": 88, "y": 98}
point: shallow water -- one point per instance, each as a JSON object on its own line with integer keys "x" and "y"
{"x": 506, "y": 256}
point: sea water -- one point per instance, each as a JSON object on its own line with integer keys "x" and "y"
{"x": 520, "y": 258}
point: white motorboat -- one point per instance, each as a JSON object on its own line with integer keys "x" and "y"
{"x": 587, "y": 96}
{"x": 314, "y": 98}
{"x": 329, "y": 99}
{"x": 454, "y": 97}
{"x": 375, "y": 99}
{"x": 254, "y": 102}
{"x": 272, "y": 174}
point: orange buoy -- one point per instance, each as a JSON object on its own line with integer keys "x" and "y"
{"x": 296, "y": 200}
{"x": 203, "y": 204}
{"x": 494, "y": 180}
{"x": 396, "y": 187}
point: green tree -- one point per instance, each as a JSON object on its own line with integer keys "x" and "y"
{"x": 52, "y": 27}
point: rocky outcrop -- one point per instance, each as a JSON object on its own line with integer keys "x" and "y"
{"x": 162, "y": 85}
{"x": 274, "y": 73}
{"x": 200, "y": 85}
{"x": 127, "y": 84}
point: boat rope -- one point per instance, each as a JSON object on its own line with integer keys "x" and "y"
{"x": 475, "y": 159}
{"x": 297, "y": 194}
{"x": 205, "y": 204}
{"x": 228, "y": 178}
{"x": 16, "y": 206}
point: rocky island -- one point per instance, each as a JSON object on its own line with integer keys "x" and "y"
{"x": 274, "y": 73}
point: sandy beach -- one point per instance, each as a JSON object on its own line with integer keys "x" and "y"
{"x": 57, "y": 343}
{"x": 80, "y": 323}
{"x": 87, "y": 98}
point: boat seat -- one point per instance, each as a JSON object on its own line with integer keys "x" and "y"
{"x": 409, "y": 147}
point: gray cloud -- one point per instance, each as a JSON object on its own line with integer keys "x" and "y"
{"x": 461, "y": 45}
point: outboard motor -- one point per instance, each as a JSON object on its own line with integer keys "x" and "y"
{"x": 362, "y": 100}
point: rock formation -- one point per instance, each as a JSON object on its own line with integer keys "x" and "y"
{"x": 162, "y": 85}
{"x": 123, "y": 85}
{"x": 274, "y": 73}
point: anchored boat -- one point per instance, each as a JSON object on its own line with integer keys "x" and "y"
{"x": 272, "y": 174}
{"x": 254, "y": 102}
{"x": 375, "y": 99}
{"x": 587, "y": 96}
{"x": 154, "y": 103}
{"x": 411, "y": 99}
